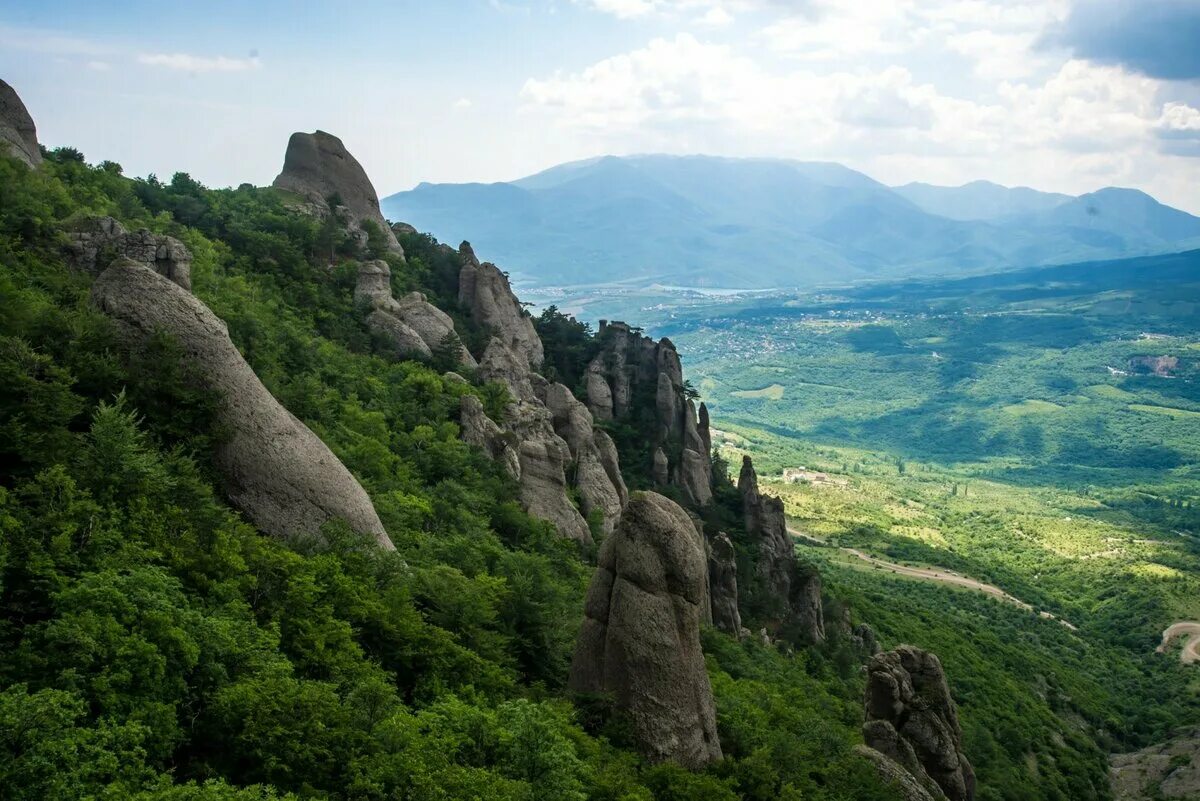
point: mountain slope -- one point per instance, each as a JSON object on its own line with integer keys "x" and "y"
{"x": 753, "y": 223}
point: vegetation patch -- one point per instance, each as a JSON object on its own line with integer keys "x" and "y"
{"x": 773, "y": 392}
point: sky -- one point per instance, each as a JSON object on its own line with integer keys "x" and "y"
{"x": 1061, "y": 95}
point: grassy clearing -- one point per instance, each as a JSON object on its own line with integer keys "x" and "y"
{"x": 773, "y": 392}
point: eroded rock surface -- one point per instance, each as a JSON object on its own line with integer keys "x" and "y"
{"x": 485, "y": 291}
{"x": 723, "y": 588}
{"x": 276, "y": 470}
{"x": 18, "y": 134}
{"x": 96, "y": 242}
{"x": 318, "y": 167}
{"x": 416, "y": 326}
{"x": 640, "y": 640}
{"x": 912, "y": 720}
{"x": 797, "y": 588}
{"x": 630, "y": 365}
{"x": 1169, "y": 770}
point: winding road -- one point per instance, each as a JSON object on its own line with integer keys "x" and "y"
{"x": 955, "y": 579}
{"x": 1190, "y": 631}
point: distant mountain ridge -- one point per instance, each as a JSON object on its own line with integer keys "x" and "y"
{"x": 754, "y": 223}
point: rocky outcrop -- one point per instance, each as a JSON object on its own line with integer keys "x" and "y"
{"x": 797, "y": 589}
{"x": 640, "y": 640}
{"x": 481, "y": 431}
{"x": 96, "y": 242}
{"x": 912, "y": 720}
{"x": 896, "y": 777}
{"x": 632, "y": 369}
{"x": 277, "y": 471}
{"x": 1169, "y": 770}
{"x": 597, "y": 475}
{"x": 318, "y": 167}
{"x": 411, "y": 324}
{"x": 722, "y": 583}
{"x": 485, "y": 291}
{"x": 543, "y": 484}
{"x": 18, "y": 135}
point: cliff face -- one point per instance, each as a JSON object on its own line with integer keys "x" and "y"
{"x": 631, "y": 370}
{"x": 318, "y": 167}
{"x": 640, "y": 640}
{"x": 797, "y": 589}
{"x": 276, "y": 470}
{"x": 913, "y": 722}
{"x": 18, "y": 135}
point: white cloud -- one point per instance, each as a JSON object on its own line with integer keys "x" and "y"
{"x": 191, "y": 63}
{"x": 462, "y": 102}
{"x": 1180, "y": 117}
{"x": 715, "y": 17}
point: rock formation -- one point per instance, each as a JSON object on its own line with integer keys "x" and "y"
{"x": 318, "y": 167}
{"x": 277, "y": 471}
{"x": 597, "y": 475}
{"x": 485, "y": 291}
{"x": 18, "y": 135}
{"x": 912, "y": 721}
{"x": 95, "y": 242}
{"x": 1166, "y": 771}
{"x": 640, "y": 640}
{"x": 632, "y": 369}
{"x": 411, "y": 324}
{"x": 479, "y": 430}
{"x": 798, "y": 589}
{"x": 722, "y": 583}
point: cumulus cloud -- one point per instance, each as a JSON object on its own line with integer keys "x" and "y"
{"x": 1178, "y": 129}
{"x": 187, "y": 62}
{"x": 1159, "y": 38}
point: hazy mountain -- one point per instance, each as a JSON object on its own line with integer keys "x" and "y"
{"x": 979, "y": 200}
{"x": 709, "y": 221}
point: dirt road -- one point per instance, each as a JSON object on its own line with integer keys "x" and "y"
{"x": 1190, "y": 631}
{"x": 949, "y": 577}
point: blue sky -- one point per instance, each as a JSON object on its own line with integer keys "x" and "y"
{"x": 1065, "y": 95}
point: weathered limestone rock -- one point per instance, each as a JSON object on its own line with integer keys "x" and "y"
{"x": 864, "y": 637}
{"x": 629, "y": 361}
{"x": 277, "y": 471}
{"x": 640, "y": 640}
{"x": 660, "y": 469}
{"x": 403, "y": 229}
{"x": 798, "y": 588}
{"x": 912, "y": 720}
{"x": 722, "y": 583}
{"x": 501, "y": 363}
{"x": 807, "y": 619}
{"x": 612, "y": 467}
{"x": 95, "y": 242}
{"x": 18, "y": 135}
{"x": 412, "y": 315}
{"x": 481, "y": 431}
{"x": 544, "y": 486}
{"x": 318, "y": 167}
{"x": 573, "y": 422}
{"x": 484, "y": 290}
{"x": 1168, "y": 770}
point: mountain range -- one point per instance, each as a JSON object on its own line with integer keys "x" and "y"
{"x": 704, "y": 221}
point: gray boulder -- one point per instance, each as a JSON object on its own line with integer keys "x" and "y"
{"x": 277, "y": 471}
{"x": 543, "y": 486}
{"x": 896, "y": 777}
{"x": 317, "y": 167}
{"x": 804, "y": 602}
{"x": 911, "y": 719}
{"x": 18, "y": 135}
{"x": 404, "y": 342}
{"x": 93, "y": 243}
{"x": 414, "y": 316}
{"x": 485, "y": 291}
{"x": 660, "y": 468}
{"x": 640, "y": 641}
{"x": 723, "y": 589}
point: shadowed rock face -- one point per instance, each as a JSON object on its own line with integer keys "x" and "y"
{"x": 630, "y": 363}
{"x": 484, "y": 290}
{"x": 277, "y": 471}
{"x": 912, "y": 720}
{"x": 96, "y": 242}
{"x": 640, "y": 640}
{"x": 723, "y": 588}
{"x": 317, "y": 166}
{"x": 781, "y": 574}
{"x": 18, "y": 135}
